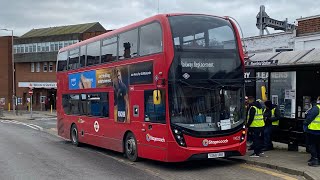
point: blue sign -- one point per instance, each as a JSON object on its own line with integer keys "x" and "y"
{"x": 83, "y": 80}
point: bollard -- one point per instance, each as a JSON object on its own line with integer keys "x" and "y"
{"x": 9, "y": 107}
{"x": 51, "y": 109}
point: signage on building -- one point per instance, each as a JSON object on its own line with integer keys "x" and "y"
{"x": 261, "y": 63}
{"x": 38, "y": 84}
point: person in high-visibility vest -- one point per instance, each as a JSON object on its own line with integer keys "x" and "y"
{"x": 312, "y": 127}
{"x": 255, "y": 123}
{"x": 271, "y": 117}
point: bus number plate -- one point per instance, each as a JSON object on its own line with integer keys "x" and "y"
{"x": 216, "y": 155}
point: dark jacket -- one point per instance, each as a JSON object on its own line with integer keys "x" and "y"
{"x": 252, "y": 111}
{"x": 267, "y": 115}
{"x": 311, "y": 114}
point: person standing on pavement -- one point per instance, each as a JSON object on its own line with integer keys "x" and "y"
{"x": 312, "y": 127}
{"x": 256, "y": 124}
{"x": 271, "y": 116}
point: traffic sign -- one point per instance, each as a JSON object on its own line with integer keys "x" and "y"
{"x": 30, "y": 92}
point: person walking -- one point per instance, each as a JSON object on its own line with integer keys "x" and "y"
{"x": 271, "y": 116}
{"x": 312, "y": 128}
{"x": 256, "y": 124}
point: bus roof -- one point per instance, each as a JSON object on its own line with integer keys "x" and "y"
{"x": 128, "y": 27}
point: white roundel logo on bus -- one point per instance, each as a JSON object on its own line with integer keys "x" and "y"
{"x": 96, "y": 126}
{"x": 205, "y": 142}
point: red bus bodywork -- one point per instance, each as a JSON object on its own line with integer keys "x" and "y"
{"x": 154, "y": 140}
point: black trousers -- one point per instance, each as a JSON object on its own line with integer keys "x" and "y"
{"x": 257, "y": 135}
{"x": 314, "y": 144}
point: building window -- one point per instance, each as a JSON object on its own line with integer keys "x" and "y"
{"x": 27, "y": 49}
{"x": 51, "y": 46}
{"x": 283, "y": 92}
{"x": 38, "y": 67}
{"x": 56, "y": 46}
{"x": 34, "y": 47}
{"x": 45, "y": 67}
{"x": 60, "y": 45}
{"x": 30, "y": 48}
{"x": 43, "y": 47}
{"x": 50, "y": 66}
{"x": 38, "y": 47}
{"x": 18, "y": 49}
{"x": 22, "y": 48}
{"x": 15, "y": 49}
{"x": 32, "y": 67}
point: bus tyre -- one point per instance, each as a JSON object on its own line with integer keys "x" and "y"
{"x": 130, "y": 147}
{"x": 74, "y": 135}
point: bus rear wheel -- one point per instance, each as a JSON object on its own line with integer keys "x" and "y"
{"x": 74, "y": 135}
{"x": 130, "y": 147}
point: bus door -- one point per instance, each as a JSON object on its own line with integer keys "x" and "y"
{"x": 153, "y": 125}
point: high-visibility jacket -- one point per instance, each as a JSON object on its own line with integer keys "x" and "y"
{"x": 258, "y": 118}
{"x": 315, "y": 124}
{"x": 275, "y": 123}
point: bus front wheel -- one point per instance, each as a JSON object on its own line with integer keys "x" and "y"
{"x": 130, "y": 146}
{"x": 74, "y": 135}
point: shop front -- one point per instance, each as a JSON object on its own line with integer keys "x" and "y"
{"x": 43, "y": 95}
{"x": 292, "y": 81}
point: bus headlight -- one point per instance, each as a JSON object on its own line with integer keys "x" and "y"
{"x": 179, "y": 137}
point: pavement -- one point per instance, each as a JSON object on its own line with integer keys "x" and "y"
{"x": 26, "y": 115}
{"x": 291, "y": 162}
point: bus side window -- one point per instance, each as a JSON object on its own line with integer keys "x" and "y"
{"x": 62, "y": 61}
{"x": 65, "y": 103}
{"x": 154, "y": 112}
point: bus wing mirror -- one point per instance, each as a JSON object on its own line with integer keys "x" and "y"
{"x": 156, "y": 97}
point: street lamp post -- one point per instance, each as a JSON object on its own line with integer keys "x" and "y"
{"x": 13, "y": 73}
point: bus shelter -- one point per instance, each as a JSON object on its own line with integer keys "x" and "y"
{"x": 289, "y": 79}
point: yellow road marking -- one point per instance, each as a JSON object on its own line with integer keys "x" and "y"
{"x": 282, "y": 176}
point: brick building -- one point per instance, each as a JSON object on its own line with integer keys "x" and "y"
{"x": 6, "y": 69}
{"x": 308, "y": 33}
{"x": 35, "y": 60}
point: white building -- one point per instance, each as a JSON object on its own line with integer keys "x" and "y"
{"x": 306, "y": 37}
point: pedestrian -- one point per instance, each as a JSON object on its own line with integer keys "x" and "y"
{"x": 311, "y": 126}
{"x": 271, "y": 116}
{"x": 46, "y": 104}
{"x": 256, "y": 124}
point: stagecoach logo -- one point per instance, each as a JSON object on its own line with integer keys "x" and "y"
{"x": 155, "y": 139}
{"x": 186, "y": 75}
{"x": 73, "y": 81}
{"x": 96, "y": 126}
{"x": 206, "y": 142}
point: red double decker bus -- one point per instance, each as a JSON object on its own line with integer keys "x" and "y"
{"x": 168, "y": 88}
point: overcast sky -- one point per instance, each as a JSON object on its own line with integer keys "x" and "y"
{"x": 24, "y": 15}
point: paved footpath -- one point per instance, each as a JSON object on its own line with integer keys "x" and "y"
{"x": 280, "y": 159}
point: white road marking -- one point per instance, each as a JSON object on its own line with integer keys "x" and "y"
{"x": 32, "y": 126}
